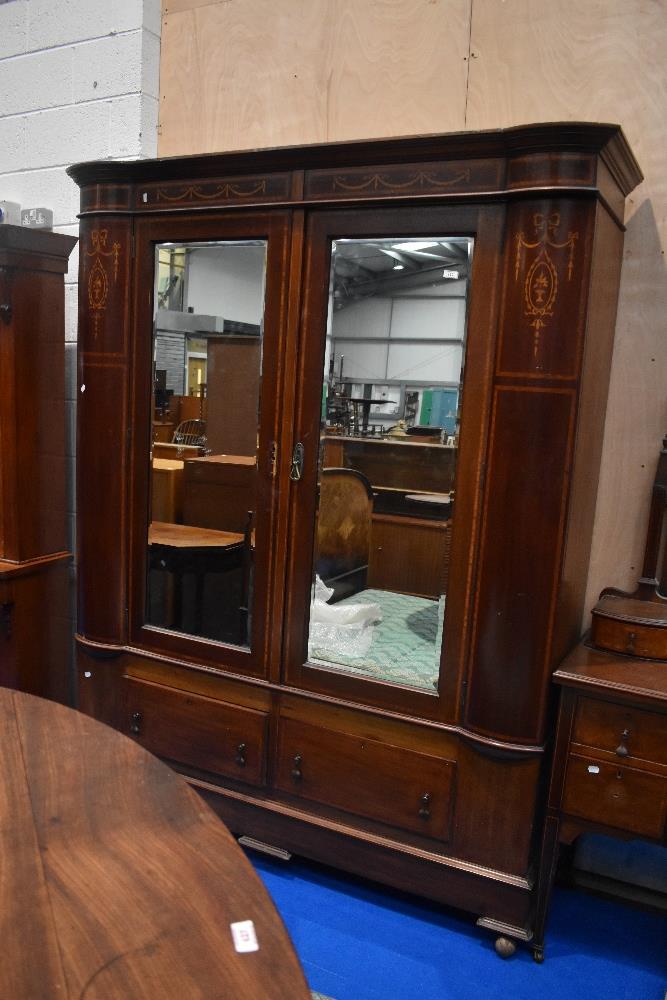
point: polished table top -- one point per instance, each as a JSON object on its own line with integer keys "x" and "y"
{"x": 116, "y": 880}
{"x": 186, "y": 536}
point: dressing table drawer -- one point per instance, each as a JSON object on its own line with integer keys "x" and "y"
{"x": 623, "y": 730}
{"x": 202, "y": 732}
{"x": 615, "y": 795}
{"x": 389, "y": 784}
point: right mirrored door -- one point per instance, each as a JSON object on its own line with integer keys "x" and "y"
{"x": 390, "y": 393}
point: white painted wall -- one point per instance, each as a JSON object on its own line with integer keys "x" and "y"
{"x": 228, "y": 281}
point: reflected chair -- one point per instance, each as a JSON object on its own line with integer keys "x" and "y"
{"x": 192, "y": 432}
{"x": 343, "y": 534}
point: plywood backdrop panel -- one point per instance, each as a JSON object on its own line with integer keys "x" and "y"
{"x": 236, "y": 75}
{"x": 602, "y": 61}
{"x": 261, "y": 73}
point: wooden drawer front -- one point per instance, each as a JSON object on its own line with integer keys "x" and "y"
{"x": 408, "y": 556}
{"x": 202, "y": 732}
{"x": 633, "y": 638}
{"x": 619, "y": 728}
{"x": 366, "y": 777}
{"x": 618, "y": 796}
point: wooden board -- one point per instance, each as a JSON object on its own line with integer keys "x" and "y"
{"x": 538, "y": 61}
{"x": 239, "y": 75}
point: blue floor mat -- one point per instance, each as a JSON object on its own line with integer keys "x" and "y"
{"x": 357, "y": 941}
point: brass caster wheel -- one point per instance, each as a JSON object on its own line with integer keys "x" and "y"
{"x": 505, "y": 947}
{"x": 538, "y": 954}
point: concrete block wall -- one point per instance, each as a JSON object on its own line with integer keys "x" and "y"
{"x": 79, "y": 80}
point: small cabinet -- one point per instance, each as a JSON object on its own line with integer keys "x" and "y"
{"x": 610, "y": 764}
{"x": 34, "y": 608}
{"x": 372, "y": 354}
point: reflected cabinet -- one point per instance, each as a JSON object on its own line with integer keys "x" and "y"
{"x": 340, "y": 421}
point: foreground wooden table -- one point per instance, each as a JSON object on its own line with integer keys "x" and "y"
{"x": 116, "y": 880}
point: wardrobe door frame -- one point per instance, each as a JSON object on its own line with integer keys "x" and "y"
{"x": 485, "y": 224}
{"x": 274, "y": 226}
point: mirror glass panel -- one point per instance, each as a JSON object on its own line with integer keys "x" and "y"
{"x": 207, "y": 365}
{"x": 391, "y": 399}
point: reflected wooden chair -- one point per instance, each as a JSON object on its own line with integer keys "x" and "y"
{"x": 343, "y": 536}
{"x": 190, "y": 432}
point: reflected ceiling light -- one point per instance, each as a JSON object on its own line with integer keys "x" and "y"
{"x": 398, "y": 267}
{"x": 414, "y": 245}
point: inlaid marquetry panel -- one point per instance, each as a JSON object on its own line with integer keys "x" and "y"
{"x": 256, "y": 190}
{"x": 547, "y": 268}
{"x": 104, "y": 267}
{"x": 410, "y": 179}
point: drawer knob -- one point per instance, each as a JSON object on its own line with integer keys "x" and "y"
{"x": 240, "y": 757}
{"x": 630, "y": 642}
{"x": 425, "y": 802}
{"x": 621, "y": 749}
{"x": 297, "y": 773}
{"x": 135, "y": 724}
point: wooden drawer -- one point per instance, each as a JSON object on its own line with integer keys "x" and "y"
{"x": 372, "y": 779}
{"x": 619, "y": 728}
{"x": 191, "y": 729}
{"x": 616, "y": 795}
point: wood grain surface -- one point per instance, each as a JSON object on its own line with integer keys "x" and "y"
{"x": 538, "y": 61}
{"x": 117, "y": 881}
{"x": 258, "y": 74}
{"x": 235, "y": 76}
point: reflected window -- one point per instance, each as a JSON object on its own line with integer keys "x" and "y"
{"x": 391, "y": 399}
{"x": 207, "y": 363}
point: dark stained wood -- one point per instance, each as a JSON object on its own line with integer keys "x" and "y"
{"x": 233, "y": 375}
{"x": 34, "y": 606}
{"x": 33, "y": 966}
{"x": 531, "y": 438}
{"x": 122, "y": 882}
{"x": 219, "y": 491}
{"x": 409, "y": 555}
{"x": 191, "y": 729}
{"x": 401, "y": 464}
{"x": 542, "y": 204}
{"x": 610, "y": 765}
{"x": 395, "y": 786}
{"x": 629, "y": 625}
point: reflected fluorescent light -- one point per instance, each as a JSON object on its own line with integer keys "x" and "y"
{"x": 414, "y": 245}
{"x": 398, "y": 267}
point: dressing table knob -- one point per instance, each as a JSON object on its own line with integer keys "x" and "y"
{"x": 135, "y": 724}
{"x": 240, "y": 757}
{"x": 424, "y": 810}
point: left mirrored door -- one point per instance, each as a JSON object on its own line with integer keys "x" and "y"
{"x": 207, "y": 374}
{"x": 205, "y": 416}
